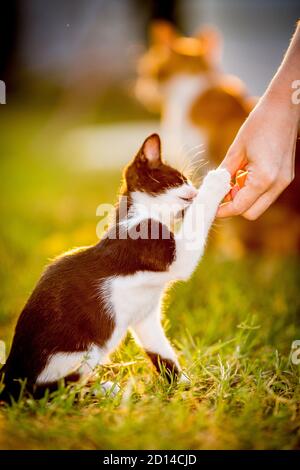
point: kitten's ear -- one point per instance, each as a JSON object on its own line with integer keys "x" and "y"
{"x": 150, "y": 151}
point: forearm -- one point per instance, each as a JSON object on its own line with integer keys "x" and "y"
{"x": 280, "y": 89}
{"x": 266, "y": 142}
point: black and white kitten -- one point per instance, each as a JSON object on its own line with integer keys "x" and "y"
{"x": 86, "y": 300}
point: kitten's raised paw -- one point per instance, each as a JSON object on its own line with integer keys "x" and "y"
{"x": 184, "y": 380}
{"x": 218, "y": 182}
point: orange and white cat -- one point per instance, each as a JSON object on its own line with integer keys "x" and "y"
{"x": 181, "y": 78}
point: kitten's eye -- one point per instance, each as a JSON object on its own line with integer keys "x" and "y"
{"x": 187, "y": 199}
{"x": 189, "y": 195}
{"x": 154, "y": 179}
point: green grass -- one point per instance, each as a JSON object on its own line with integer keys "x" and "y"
{"x": 233, "y": 325}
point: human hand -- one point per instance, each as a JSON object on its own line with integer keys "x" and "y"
{"x": 265, "y": 146}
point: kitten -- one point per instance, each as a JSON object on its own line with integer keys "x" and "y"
{"x": 86, "y": 300}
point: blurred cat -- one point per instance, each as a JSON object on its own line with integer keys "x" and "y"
{"x": 181, "y": 78}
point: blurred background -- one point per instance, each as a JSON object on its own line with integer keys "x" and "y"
{"x": 70, "y": 70}
{"x": 75, "y": 62}
{"x": 47, "y": 49}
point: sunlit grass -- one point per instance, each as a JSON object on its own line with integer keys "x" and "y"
{"x": 233, "y": 325}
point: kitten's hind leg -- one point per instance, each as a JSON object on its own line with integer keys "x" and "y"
{"x": 151, "y": 336}
{"x": 107, "y": 388}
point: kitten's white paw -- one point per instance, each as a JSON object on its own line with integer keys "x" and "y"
{"x": 107, "y": 388}
{"x": 218, "y": 182}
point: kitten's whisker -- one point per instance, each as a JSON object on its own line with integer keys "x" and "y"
{"x": 199, "y": 165}
{"x": 192, "y": 163}
{"x": 194, "y": 160}
{"x": 196, "y": 154}
{"x": 194, "y": 148}
{"x": 186, "y": 159}
{"x": 195, "y": 176}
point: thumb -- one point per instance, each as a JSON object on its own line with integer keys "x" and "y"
{"x": 234, "y": 160}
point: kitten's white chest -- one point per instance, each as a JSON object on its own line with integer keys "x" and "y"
{"x": 134, "y": 297}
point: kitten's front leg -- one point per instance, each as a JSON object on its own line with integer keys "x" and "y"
{"x": 151, "y": 336}
{"x": 214, "y": 188}
{"x": 191, "y": 238}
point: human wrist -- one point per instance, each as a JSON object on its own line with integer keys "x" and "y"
{"x": 283, "y": 96}
{"x": 284, "y": 91}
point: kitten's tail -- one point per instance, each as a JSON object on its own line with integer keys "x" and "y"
{"x": 4, "y": 395}
{"x": 14, "y": 389}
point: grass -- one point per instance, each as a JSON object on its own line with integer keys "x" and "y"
{"x": 233, "y": 325}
